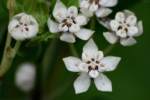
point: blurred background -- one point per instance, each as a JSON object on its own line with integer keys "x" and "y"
{"x": 131, "y": 80}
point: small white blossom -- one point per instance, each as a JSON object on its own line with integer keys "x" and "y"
{"x": 124, "y": 28}
{"x": 92, "y": 65}
{"x": 98, "y": 7}
{"x": 69, "y": 23}
{"x": 25, "y": 77}
{"x": 23, "y": 26}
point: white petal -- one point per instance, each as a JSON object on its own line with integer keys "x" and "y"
{"x": 84, "y": 34}
{"x": 81, "y": 20}
{"x": 83, "y": 67}
{"x": 86, "y": 56}
{"x": 74, "y": 28}
{"x": 17, "y": 34}
{"x": 128, "y": 12}
{"x": 18, "y": 16}
{"x": 12, "y": 24}
{"x": 72, "y": 64}
{"x": 110, "y": 37}
{"x": 90, "y": 46}
{"x": 72, "y": 11}
{"x": 84, "y": 4}
{"x": 67, "y": 37}
{"x": 93, "y": 73}
{"x": 82, "y": 83}
{"x": 120, "y": 17}
{"x": 108, "y": 3}
{"x": 103, "y": 12}
{"x": 26, "y": 19}
{"x": 140, "y": 28}
{"x": 86, "y": 12}
{"x": 109, "y": 63}
{"x": 99, "y": 55}
{"x": 131, "y": 20}
{"x": 103, "y": 83}
{"x": 133, "y": 30}
{"x": 90, "y": 50}
{"x": 60, "y": 11}
{"x": 33, "y": 30}
{"x": 93, "y": 7}
{"x": 114, "y": 25}
{"x": 128, "y": 42}
{"x": 121, "y": 33}
{"x": 53, "y": 26}
{"x": 106, "y": 23}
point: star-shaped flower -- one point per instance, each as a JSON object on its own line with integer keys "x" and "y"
{"x": 98, "y": 7}
{"x": 69, "y": 23}
{"x": 23, "y": 26}
{"x": 124, "y": 28}
{"x": 91, "y": 66}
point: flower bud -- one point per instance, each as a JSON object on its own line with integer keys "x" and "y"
{"x": 25, "y": 77}
{"x": 23, "y": 26}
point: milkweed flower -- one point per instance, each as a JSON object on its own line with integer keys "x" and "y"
{"x": 91, "y": 66}
{"x": 23, "y": 26}
{"x": 25, "y": 77}
{"x": 69, "y": 23}
{"x": 124, "y": 28}
{"x": 98, "y": 7}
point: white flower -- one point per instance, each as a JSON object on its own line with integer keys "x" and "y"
{"x": 92, "y": 65}
{"x": 23, "y": 26}
{"x": 25, "y": 77}
{"x": 68, "y": 22}
{"x": 98, "y": 7}
{"x": 124, "y": 28}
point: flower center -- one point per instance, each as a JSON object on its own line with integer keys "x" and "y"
{"x": 122, "y": 30}
{"x": 22, "y": 26}
{"x": 68, "y": 21}
{"x": 93, "y": 67}
{"x": 67, "y": 24}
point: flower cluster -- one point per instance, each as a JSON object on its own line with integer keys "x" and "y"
{"x": 70, "y": 23}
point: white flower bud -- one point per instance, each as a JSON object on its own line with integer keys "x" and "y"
{"x": 23, "y": 26}
{"x": 25, "y": 77}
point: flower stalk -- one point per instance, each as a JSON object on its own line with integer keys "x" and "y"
{"x": 9, "y": 52}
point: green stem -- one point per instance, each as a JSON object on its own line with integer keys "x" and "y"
{"x": 8, "y": 56}
{"x": 108, "y": 49}
{"x": 9, "y": 53}
{"x": 73, "y": 50}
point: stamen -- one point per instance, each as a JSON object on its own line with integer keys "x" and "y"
{"x": 126, "y": 29}
{"x": 90, "y": 68}
{"x": 27, "y": 29}
{"x": 97, "y": 62}
{"x": 93, "y": 59}
{"x": 120, "y": 27}
{"x": 96, "y": 67}
{"x": 88, "y": 62}
{"x": 17, "y": 26}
